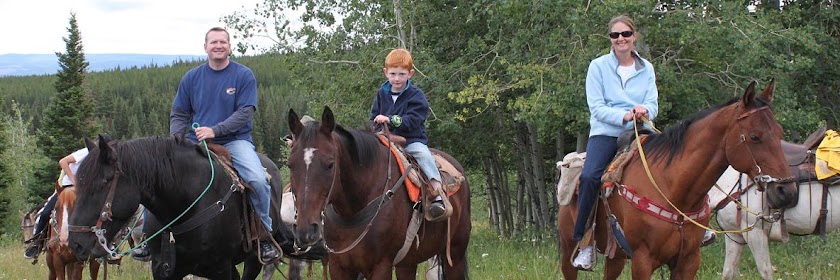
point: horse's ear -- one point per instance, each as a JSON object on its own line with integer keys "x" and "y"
{"x": 89, "y": 144}
{"x": 767, "y": 94}
{"x": 295, "y": 126}
{"x": 327, "y": 121}
{"x": 749, "y": 95}
{"x": 106, "y": 152}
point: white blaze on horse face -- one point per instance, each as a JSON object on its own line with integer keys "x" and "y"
{"x": 64, "y": 232}
{"x": 308, "y": 154}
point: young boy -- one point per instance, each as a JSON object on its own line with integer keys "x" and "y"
{"x": 404, "y": 107}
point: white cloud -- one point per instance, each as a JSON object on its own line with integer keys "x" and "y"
{"x": 114, "y": 26}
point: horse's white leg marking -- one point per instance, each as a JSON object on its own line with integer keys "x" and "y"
{"x": 733, "y": 257}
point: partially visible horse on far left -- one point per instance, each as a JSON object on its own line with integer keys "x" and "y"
{"x": 60, "y": 259}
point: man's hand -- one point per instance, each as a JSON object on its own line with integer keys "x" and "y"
{"x": 204, "y": 133}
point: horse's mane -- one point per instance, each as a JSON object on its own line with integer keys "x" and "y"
{"x": 146, "y": 161}
{"x": 362, "y": 146}
{"x": 670, "y": 142}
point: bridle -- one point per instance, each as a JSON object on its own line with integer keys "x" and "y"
{"x": 761, "y": 180}
{"x": 104, "y": 216}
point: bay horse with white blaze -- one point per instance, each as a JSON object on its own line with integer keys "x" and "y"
{"x": 60, "y": 259}
{"x": 684, "y": 160}
{"x": 349, "y": 189}
{"x": 167, "y": 175}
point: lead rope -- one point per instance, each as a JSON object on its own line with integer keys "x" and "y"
{"x": 658, "y": 189}
{"x": 212, "y": 178}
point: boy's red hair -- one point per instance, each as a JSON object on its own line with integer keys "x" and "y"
{"x": 399, "y": 58}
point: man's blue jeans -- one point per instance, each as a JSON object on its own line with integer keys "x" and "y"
{"x": 247, "y": 163}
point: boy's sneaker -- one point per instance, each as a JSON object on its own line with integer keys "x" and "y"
{"x": 141, "y": 254}
{"x": 708, "y": 238}
{"x": 584, "y": 259}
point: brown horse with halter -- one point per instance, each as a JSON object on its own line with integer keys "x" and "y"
{"x": 657, "y": 200}
{"x": 60, "y": 259}
{"x": 349, "y": 189}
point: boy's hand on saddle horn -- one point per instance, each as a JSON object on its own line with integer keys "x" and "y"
{"x": 381, "y": 119}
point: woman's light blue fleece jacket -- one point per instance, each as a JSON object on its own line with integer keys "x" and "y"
{"x": 608, "y": 100}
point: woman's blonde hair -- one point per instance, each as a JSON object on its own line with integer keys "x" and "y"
{"x": 622, "y": 19}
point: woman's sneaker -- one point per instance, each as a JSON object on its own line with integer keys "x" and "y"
{"x": 708, "y": 238}
{"x": 585, "y": 259}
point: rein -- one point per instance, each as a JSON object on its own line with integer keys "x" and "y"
{"x": 758, "y": 179}
{"x": 383, "y": 199}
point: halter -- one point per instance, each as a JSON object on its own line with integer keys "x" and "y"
{"x": 104, "y": 216}
{"x": 760, "y": 179}
{"x": 382, "y": 200}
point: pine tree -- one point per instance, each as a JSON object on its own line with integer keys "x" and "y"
{"x": 69, "y": 116}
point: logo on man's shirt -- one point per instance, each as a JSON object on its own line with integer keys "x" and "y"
{"x": 231, "y": 91}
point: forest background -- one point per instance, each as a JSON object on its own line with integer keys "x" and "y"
{"x": 505, "y": 80}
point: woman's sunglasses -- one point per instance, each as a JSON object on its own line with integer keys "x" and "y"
{"x": 624, "y": 34}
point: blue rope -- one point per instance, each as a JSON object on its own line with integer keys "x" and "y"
{"x": 212, "y": 178}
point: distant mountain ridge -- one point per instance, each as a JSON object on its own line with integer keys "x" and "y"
{"x": 46, "y": 64}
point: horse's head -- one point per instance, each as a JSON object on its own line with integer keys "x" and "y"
{"x": 27, "y": 222}
{"x": 753, "y": 146}
{"x": 104, "y": 203}
{"x": 313, "y": 173}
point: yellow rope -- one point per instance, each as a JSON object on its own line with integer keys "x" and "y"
{"x": 652, "y": 181}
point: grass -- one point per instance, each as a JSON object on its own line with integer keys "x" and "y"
{"x": 804, "y": 257}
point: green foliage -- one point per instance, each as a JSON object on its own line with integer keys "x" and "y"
{"x": 19, "y": 157}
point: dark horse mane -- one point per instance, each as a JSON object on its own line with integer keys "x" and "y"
{"x": 362, "y": 146}
{"x": 143, "y": 157}
{"x": 671, "y": 141}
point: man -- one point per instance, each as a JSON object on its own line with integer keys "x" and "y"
{"x": 221, "y": 96}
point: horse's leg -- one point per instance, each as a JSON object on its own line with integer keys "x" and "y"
{"x": 565, "y": 230}
{"x": 94, "y": 269}
{"x": 642, "y": 266}
{"x": 384, "y": 270}
{"x": 251, "y": 269}
{"x": 339, "y": 273}
{"x": 75, "y": 271}
{"x": 687, "y": 265}
{"x": 295, "y": 269}
{"x": 734, "y": 247}
{"x": 268, "y": 271}
{"x": 405, "y": 272}
{"x": 613, "y": 267}
{"x": 757, "y": 240}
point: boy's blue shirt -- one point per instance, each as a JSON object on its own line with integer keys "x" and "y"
{"x": 411, "y": 106}
{"x": 212, "y": 96}
{"x": 608, "y": 100}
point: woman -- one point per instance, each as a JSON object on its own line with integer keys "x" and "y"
{"x": 620, "y": 87}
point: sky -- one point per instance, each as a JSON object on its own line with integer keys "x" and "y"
{"x": 114, "y": 26}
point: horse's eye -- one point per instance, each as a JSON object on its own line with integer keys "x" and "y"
{"x": 755, "y": 138}
{"x": 330, "y": 166}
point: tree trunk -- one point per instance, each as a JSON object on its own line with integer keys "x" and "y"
{"x": 398, "y": 18}
{"x": 538, "y": 169}
{"x": 582, "y": 139}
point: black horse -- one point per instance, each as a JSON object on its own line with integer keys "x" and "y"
{"x": 167, "y": 174}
